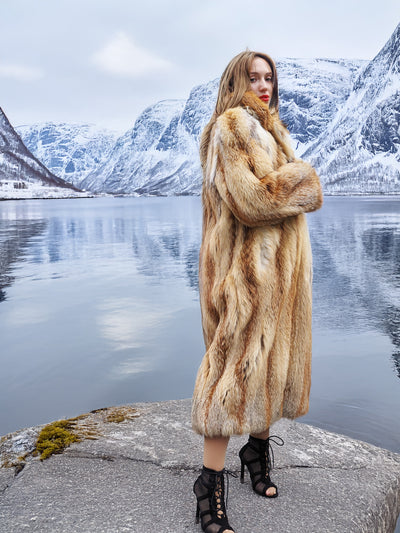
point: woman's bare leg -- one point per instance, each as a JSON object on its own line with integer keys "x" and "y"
{"x": 215, "y": 452}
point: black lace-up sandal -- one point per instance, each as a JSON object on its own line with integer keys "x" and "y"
{"x": 258, "y": 456}
{"x": 209, "y": 490}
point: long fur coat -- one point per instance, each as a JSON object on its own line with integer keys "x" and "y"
{"x": 255, "y": 275}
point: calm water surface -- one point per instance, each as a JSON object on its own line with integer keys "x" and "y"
{"x": 99, "y": 306}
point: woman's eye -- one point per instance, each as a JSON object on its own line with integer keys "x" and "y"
{"x": 252, "y": 80}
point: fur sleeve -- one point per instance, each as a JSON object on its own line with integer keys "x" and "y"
{"x": 292, "y": 189}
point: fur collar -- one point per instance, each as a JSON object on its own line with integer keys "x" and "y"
{"x": 269, "y": 120}
{"x": 259, "y": 109}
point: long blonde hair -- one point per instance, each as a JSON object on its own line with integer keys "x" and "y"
{"x": 234, "y": 82}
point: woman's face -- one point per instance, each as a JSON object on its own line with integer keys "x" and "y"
{"x": 261, "y": 82}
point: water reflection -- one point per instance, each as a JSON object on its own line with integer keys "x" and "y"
{"x": 167, "y": 246}
{"x": 356, "y": 245}
{"x": 124, "y": 322}
{"x": 164, "y": 239}
{"x": 381, "y": 244}
{"x": 15, "y": 238}
{"x": 107, "y": 293}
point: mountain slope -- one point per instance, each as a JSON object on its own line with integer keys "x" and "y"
{"x": 361, "y": 148}
{"x": 142, "y": 154}
{"x": 311, "y": 92}
{"x": 19, "y": 170}
{"x": 71, "y": 151}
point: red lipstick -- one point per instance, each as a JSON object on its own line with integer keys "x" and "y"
{"x": 264, "y": 97}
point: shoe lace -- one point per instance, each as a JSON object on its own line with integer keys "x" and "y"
{"x": 217, "y": 492}
{"x": 267, "y": 458}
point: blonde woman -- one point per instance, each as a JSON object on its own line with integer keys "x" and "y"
{"x": 255, "y": 282}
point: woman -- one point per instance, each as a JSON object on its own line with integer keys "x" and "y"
{"x": 255, "y": 281}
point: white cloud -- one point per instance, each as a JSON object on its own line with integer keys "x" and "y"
{"x": 121, "y": 56}
{"x": 127, "y": 323}
{"x": 133, "y": 366}
{"x": 20, "y": 72}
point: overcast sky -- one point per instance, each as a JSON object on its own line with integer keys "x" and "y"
{"x": 104, "y": 61}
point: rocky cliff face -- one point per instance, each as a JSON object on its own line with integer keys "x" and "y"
{"x": 144, "y": 156}
{"x": 20, "y": 170}
{"x": 16, "y": 162}
{"x": 71, "y": 151}
{"x": 360, "y": 151}
{"x": 311, "y": 92}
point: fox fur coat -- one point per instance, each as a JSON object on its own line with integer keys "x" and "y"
{"x": 255, "y": 275}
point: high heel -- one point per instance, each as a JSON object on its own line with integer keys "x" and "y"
{"x": 258, "y": 456}
{"x": 209, "y": 489}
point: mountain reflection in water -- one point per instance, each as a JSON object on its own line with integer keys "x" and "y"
{"x": 356, "y": 244}
{"x": 15, "y": 237}
{"x": 100, "y": 307}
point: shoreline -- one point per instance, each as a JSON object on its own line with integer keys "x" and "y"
{"x": 393, "y": 195}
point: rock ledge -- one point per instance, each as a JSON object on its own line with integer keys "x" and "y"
{"x": 137, "y": 476}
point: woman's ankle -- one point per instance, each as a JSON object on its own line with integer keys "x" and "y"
{"x": 208, "y": 470}
{"x": 260, "y": 436}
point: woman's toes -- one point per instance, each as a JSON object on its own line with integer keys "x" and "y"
{"x": 271, "y": 491}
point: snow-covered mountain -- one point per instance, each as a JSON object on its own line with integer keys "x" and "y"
{"x": 343, "y": 116}
{"x": 21, "y": 174}
{"x": 142, "y": 154}
{"x": 360, "y": 151}
{"x": 311, "y": 92}
{"x": 167, "y": 163}
{"x": 71, "y": 151}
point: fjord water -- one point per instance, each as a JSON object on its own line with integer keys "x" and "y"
{"x": 99, "y": 306}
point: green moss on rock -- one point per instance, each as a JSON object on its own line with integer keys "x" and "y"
{"x": 55, "y": 437}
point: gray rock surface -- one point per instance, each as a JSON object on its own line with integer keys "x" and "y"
{"x": 137, "y": 476}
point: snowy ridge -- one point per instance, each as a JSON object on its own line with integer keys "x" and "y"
{"x": 71, "y": 151}
{"x": 361, "y": 149}
{"x": 136, "y": 150}
{"x": 311, "y": 92}
{"x": 21, "y": 174}
{"x": 158, "y": 154}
